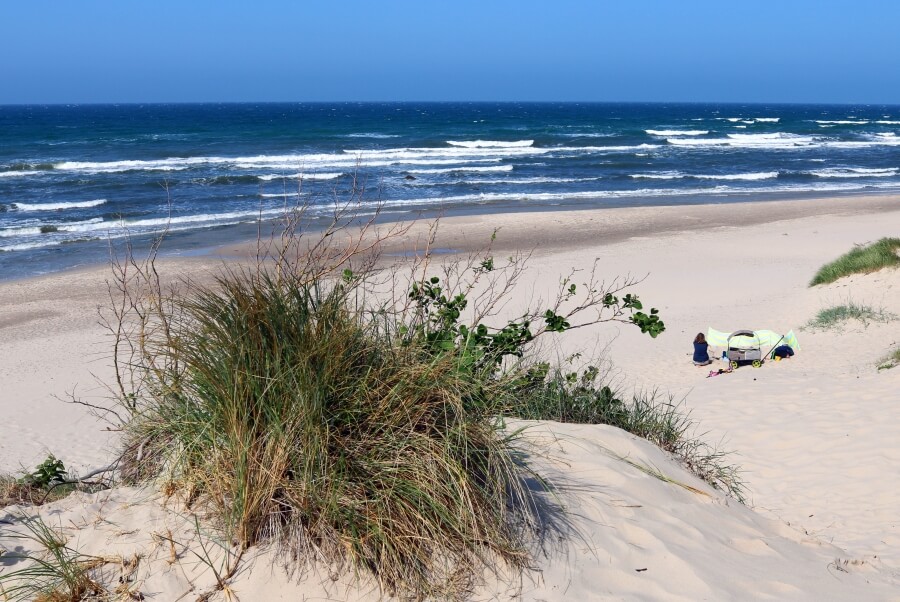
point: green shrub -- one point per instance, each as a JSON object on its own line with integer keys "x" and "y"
{"x": 861, "y": 260}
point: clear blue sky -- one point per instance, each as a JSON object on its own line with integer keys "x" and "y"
{"x": 308, "y": 50}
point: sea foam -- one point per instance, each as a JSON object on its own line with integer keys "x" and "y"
{"x": 490, "y": 143}
{"x": 677, "y": 132}
{"x": 58, "y": 206}
{"x": 462, "y": 168}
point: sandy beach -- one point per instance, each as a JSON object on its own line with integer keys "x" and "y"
{"x": 817, "y": 436}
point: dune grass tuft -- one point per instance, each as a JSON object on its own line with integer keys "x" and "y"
{"x": 285, "y": 412}
{"x": 861, "y": 260}
{"x": 835, "y": 316}
{"x": 53, "y": 573}
{"x": 891, "y": 360}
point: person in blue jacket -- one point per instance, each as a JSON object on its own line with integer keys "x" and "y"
{"x": 701, "y": 351}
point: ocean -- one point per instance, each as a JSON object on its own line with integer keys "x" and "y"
{"x": 75, "y": 178}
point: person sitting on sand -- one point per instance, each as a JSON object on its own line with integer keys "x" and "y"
{"x": 701, "y": 351}
{"x": 782, "y": 352}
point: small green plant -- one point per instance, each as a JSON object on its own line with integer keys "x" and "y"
{"x": 861, "y": 260}
{"x": 836, "y": 316}
{"x": 53, "y": 573}
{"x": 891, "y": 360}
{"x": 49, "y": 472}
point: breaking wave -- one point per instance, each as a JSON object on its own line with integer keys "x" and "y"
{"x": 58, "y": 206}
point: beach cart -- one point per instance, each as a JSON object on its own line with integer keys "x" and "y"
{"x": 744, "y": 347}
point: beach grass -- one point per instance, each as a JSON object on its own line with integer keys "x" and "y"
{"x": 891, "y": 360}
{"x": 285, "y": 413}
{"x": 53, "y": 572}
{"x": 837, "y": 315}
{"x": 861, "y": 260}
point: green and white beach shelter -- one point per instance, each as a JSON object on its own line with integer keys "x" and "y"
{"x": 764, "y": 338}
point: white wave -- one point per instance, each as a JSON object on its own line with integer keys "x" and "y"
{"x": 490, "y": 143}
{"x": 587, "y": 135}
{"x": 551, "y": 197}
{"x": 58, "y": 206}
{"x": 677, "y": 175}
{"x": 81, "y": 226}
{"x": 761, "y": 175}
{"x": 18, "y": 173}
{"x": 605, "y": 149}
{"x": 743, "y": 127}
{"x": 841, "y": 121}
{"x": 134, "y": 165}
{"x": 748, "y": 121}
{"x": 374, "y": 135}
{"x": 677, "y": 132}
{"x": 854, "y": 172}
{"x": 302, "y": 176}
{"x": 536, "y": 180}
{"x": 463, "y": 168}
{"x": 771, "y": 141}
{"x": 662, "y": 175}
{"x": 733, "y": 119}
{"x": 888, "y": 122}
{"x": 767, "y": 119}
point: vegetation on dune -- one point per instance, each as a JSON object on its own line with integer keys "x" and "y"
{"x": 362, "y": 431}
{"x": 891, "y": 360}
{"x": 837, "y": 315}
{"x": 861, "y": 260}
{"x": 302, "y": 401}
{"x": 54, "y": 572}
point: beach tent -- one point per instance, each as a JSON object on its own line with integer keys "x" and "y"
{"x": 766, "y": 338}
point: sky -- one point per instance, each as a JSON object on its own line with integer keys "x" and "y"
{"x": 94, "y": 51}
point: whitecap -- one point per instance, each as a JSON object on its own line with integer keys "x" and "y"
{"x": 374, "y": 135}
{"x": 81, "y": 226}
{"x": 854, "y": 172}
{"x": 58, "y": 206}
{"x": 463, "y": 168}
{"x": 18, "y": 173}
{"x": 677, "y": 132}
{"x": 490, "y": 143}
{"x": 302, "y": 176}
{"x": 841, "y": 121}
{"x": 662, "y": 175}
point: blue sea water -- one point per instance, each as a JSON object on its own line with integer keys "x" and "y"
{"x": 72, "y": 178}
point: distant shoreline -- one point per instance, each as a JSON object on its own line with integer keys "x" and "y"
{"x": 535, "y": 228}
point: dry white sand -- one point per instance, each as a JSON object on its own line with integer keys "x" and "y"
{"x": 818, "y": 436}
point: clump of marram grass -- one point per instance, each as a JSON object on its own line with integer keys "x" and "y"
{"x": 281, "y": 409}
{"x": 861, "y": 260}
{"x": 837, "y": 315}
{"x": 581, "y": 398}
{"x": 54, "y": 572}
